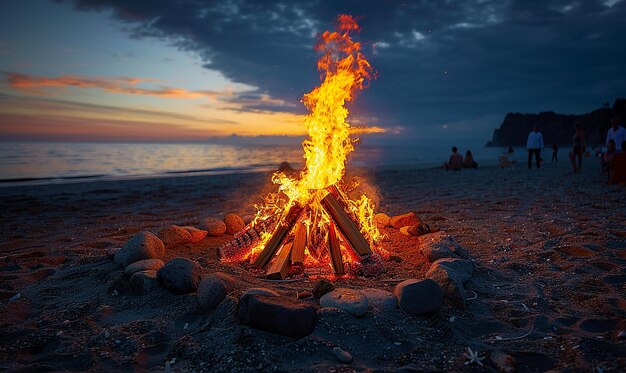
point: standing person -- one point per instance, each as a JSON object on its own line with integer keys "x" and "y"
{"x": 455, "y": 162}
{"x": 555, "y": 149}
{"x": 578, "y": 147}
{"x": 534, "y": 144}
{"x": 616, "y": 132}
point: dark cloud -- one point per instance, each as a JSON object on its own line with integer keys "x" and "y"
{"x": 438, "y": 61}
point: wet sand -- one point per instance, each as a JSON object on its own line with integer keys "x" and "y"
{"x": 549, "y": 289}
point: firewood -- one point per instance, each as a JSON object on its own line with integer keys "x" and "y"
{"x": 282, "y": 264}
{"x": 299, "y": 243}
{"x": 346, "y": 225}
{"x": 240, "y": 245}
{"x": 321, "y": 288}
{"x": 335, "y": 250}
{"x": 279, "y": 234}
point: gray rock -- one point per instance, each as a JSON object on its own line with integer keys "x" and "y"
{"x": 263, "y": 291}
{"x": 234, "y": 223}
{"x": 463, "y": 268}
{"x": 214, "y": 227}
{"x": 213, "y": 289}
{"x": 419, "y": 229}
{"x": 380, "y": 299}
{"x": 278, "y": 315}
{"x": 417, "y": 297}
{"x": 450, "y": 283}
{"x": 197, "y": 235}
{"x": 173, "y": 236}
{"x": 342, "y": 355}
{"x": 143, "y": 265}
{"x": 143, "y": 282}
{"x": 437, "y": 246}
{"x": 351, "y": 301}
{"x": 143, "y": 245}
{"x": 180, "y": 275}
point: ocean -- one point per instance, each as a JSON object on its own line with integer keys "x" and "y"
{"x": 56, "y": 162}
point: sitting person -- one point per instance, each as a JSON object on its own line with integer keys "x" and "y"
{"x": 455, "y": 162}
{"x": 469, "y": 161}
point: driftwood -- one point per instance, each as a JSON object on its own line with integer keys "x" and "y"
{"x": 346, "y": 225}
{"x": 282, "y": 264}
{"x": 279, "y": 234}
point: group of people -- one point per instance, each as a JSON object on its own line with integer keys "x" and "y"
{"x": 457, "y": 162}
{"x": 616, "y": 135}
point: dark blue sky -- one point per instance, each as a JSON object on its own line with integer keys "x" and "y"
{"x": 446, "y": 69}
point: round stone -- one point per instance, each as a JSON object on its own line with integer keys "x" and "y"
{"x": 234, "y": 223}
{"x": 214, "y": 227}
{"x": 351, "y": 301}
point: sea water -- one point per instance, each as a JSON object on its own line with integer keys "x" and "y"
{"x": 41, "y": 162}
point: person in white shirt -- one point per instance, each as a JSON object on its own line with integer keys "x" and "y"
{"x": 616, "y": 133}
{"x": 534, "y": 146}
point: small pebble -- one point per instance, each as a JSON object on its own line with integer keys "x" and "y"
{"x": 15, "y": 297}
{"x": 186, "y": 326}
{"x": 342, "y": 355}
{"x": 621, "y": 334}
{"x": 118, "y": 341}
{"x": 397, "y": 343}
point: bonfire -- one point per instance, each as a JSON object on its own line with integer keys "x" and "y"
{"x": 311, "y": 222}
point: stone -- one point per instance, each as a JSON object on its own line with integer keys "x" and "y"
{"x": 144, "y": 245}
{"x": 234, "y": 223}
{"x": 379, "y": 299}
{"x": 382, "y": 220}
{"x": 197, "y": 235}
{"x": 143, "y": 282}
{"x": 342, "y": 355}
{"x": 213, "y": 289}
{"x": 407, "y": 219}
{"x": 111, "y": 251}
{"x": 247, "y": 219}
{"x": 417, "y": 297}
{"x": 419, "y": 229}
{"x": 278, "y": 315}
{"x": 351, "y": 301}
{"x": 262, "y": 291}
{"x": 503, "y": 361}
{"x": 173, "y": 236}
{"x": 214, "y": 227}
{"x": 405, "y": 231}
{"x": 143, "y": 265}
{"x": 463, "y": 268}
{"x": 434, "y": 249}
{"x": 180, "y": 275}
{"x": 285, "y": 167}
{"x": 450, "y": 283}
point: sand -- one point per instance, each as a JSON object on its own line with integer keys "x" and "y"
{"x": 550, "y": 250}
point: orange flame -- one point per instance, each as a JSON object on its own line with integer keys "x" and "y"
{"x": 344, "y": 71}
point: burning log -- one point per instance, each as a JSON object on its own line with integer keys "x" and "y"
{"x": 346, "y": 225}
{"x": 242, "y": 241}
{"x": 282, "y": 263}
{"x": 335, "y": 250}
{"x": 279, "y": 234}
{"x": 299, "y": 243}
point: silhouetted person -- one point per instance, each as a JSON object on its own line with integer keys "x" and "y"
{"x": 616, "y": 132}
{"x": 578, "y": 148}
{"x": 534, "y": 144}
{"x": 555, "y": 150}
{"x": 469, "y": 161}
{"x": 455, "y": 162}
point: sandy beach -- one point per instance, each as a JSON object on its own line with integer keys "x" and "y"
{"x": 548, "y": 290}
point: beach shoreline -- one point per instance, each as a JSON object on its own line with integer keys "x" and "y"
{"x": 549, "y": 288}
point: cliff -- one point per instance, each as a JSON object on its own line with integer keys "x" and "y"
{"x": 557, "y": 128}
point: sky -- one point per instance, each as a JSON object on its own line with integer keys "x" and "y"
{"x": 189, "y": 70}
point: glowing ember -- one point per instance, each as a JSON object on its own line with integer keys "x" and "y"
{"x": 344, "y": 71}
